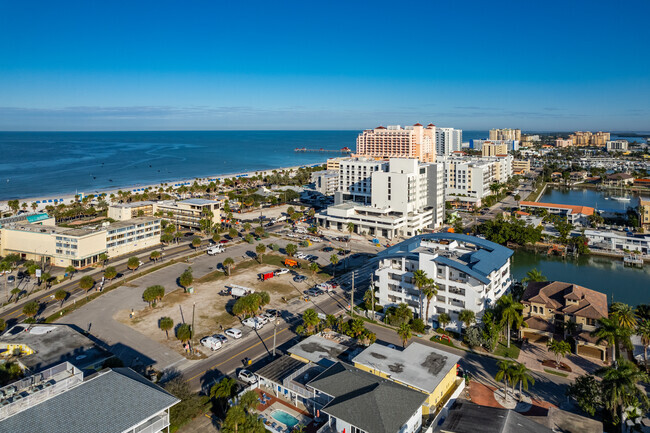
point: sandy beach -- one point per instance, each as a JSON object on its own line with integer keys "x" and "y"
{"x": 68, "y": 198}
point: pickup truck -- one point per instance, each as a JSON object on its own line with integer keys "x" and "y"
{"x": 215, "y": 250}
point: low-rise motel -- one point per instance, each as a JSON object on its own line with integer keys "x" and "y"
{"x": 574, "y": 214}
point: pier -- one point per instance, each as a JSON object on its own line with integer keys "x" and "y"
{"x": 346, "y": 150}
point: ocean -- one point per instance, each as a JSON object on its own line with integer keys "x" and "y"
{"x": 45, "y": 164}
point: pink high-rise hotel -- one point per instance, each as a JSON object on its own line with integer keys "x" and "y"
{"x": 415, "y": 141}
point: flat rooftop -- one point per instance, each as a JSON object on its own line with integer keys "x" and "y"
{"x": 36, "y": 228}
{"x": 316, "y": 348}
{"x": 130, "y": 222}
{"x": 52, "y": 345}
{"x": 419, "y": 366}
{"x": 133, "y": 204}
{"x": 198, "y": 201}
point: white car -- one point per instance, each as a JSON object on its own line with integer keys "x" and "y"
{"x": 215, "y": 250}
{"x": 211, "y": 343}
{"x": 300, "y": 255}
{"x": 140, "y": 263}
{"x": 247, "y": 376}
{"x": 262, "y": 319}
{"x": 233, "y": 333}
{"x": 252, "y": 323}
{"x": 281, "y": 271}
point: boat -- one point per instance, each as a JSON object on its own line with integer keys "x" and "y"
{"x": 621, "y": 198}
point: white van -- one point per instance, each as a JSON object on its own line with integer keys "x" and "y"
{"x": 215, "y": 250}
{"x": 211, "y": 343}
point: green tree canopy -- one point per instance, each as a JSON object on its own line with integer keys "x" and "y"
{"x": 166, "y": 324}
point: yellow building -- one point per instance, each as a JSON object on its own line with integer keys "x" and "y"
{"x": 586, "y": 138}
{"x": 333, "y": 163}
{"x": 505, "y": 134}
{"x": 644, "y": 212}
{"x": 493, "y": 149}
{"x": 78, "y": 247}
{"x": 184, "y": 213}
{"x": 126, "y": 211}
{"x": 421, "y": 367}
{"x": 521, "y": 166}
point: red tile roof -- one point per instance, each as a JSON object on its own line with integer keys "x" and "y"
{"x": 553, "y": 294}
{"x": 585, "y": 210}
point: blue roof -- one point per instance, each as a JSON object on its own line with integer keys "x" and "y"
{"x": 479, "y": 264}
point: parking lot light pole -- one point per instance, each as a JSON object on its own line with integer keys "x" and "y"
{"x": 275, "y": 327}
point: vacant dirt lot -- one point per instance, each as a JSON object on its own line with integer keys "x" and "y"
{"x": 212, "y": 309}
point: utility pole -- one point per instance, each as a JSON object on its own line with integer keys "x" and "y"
{"x": 372, "y": 291}
{"x": 352, "y": 296}
{"x": 275, "y": 327}
{"x": 192, "y": 328}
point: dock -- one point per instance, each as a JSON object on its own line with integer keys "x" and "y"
{"x": 346, "y": 150}
{"x": 632, "y": 260}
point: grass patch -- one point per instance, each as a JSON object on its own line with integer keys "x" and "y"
{"x": 557, "y": 373}
{"x": 503, "y": 351}
{"x": 533, "y": 195}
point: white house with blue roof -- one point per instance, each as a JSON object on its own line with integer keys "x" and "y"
{"x": 471, "y": 273}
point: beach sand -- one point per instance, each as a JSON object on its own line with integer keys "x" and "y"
{"x": 69, "y": 197}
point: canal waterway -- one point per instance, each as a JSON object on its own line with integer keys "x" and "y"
{"x": 598, "y": 199}
{"x": 603, "y": 274}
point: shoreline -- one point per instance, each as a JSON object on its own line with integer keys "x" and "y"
{"x": 68, "y": 197}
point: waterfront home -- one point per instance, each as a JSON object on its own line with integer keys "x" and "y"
{"x": 467, "y": 417}
{"x": 549, "y": 306}
{"x": 355, "y": 401}
{"x": 420, "y": 367}
{"x": 471, "y": 274}
{"x": 573, "y": 214}
{"x": 619, "y": 179}
{"x": 618, "y": 242}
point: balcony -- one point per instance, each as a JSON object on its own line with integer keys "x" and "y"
{"x": 456, "y": 303}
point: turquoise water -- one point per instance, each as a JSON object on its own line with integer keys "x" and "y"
{"x": 602, "y": 200}
{"x": 285, "y": 418}
{"x": 620, "y": 283}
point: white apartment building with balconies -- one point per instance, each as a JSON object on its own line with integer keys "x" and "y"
{"x": 448, "y": 140}
{"x": 471, "y": 274}
{"x": 468, "y": 179}
{"x": 399, "y": 197}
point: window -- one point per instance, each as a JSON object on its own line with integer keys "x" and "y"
{"x": 534, "y": 308}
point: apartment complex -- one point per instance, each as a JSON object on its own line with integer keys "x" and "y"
{"x": 471, "y": 273}
{"x": 185, "y": 213}
{"x": 520, "y": 166}
{"x": 398, "y": 197}
{"x": 505, "y": 134}
{"x": 326, "y": 181}
{"x": 573, "y": 214}
{"x": 333, "y": 163}
{"x": 78, "y": 247}
{"x": 582, "y": 138}
{"x": 644, "y": 213}
{"x": 494, "y": 149}
{"x": 468, "y": 179}
{"x": 617, "y": 146}
{"x": 549, "y": 305}
{"x": 448, "y": 140}
{"x": 395, "y": 141}
{"x": 510, "y": 145}
{"x": 62, "y": 399}
{"x": 562, "y": 142}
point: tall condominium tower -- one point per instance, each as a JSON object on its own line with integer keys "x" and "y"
{"x": 448, "y": 140}
{"x": 394, "y": 141}
{"x": 505, "y": 134}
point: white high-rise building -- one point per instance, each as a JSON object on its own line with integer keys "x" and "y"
{"x": 468, "y": 179}
{"x": 471, "y": 274}
{"x": 448, "y": 140}
{"x": 399, "y": 197}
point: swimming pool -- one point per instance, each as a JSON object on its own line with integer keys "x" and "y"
{"x": 285, "y": 418}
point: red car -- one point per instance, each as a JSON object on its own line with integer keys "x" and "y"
{"x": 223, "y": 241}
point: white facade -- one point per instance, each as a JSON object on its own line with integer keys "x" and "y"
{"x": 471, "y": 273}
{"x": 448, "y": 140}
{"x": 511, "y": 145}
{"x": 468, "y": 179}
{"x": 399, "y": 197}
{"x": 614, "y": 241}
{"x": 617, "y": 146}
{"x": 326, "y": 182}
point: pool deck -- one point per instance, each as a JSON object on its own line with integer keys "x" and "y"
{"x": 273, "y": 402}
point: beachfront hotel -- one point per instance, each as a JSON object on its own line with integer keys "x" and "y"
{"x": 398, "y": 197}
{"x": 78, "y": 247}
{"x": 394, "y": 141}
{"x": 185, "y": 213}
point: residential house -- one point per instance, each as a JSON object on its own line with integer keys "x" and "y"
{"x": 574, "y": 214}
{"x": 466, "y": 417}
{"x": 550, "y": 305}
{"x": 619, "y": 179}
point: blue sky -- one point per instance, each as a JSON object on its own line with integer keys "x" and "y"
{"x": 218, "y": 64}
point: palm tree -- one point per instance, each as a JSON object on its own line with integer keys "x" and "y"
{"x": 31, "y": 309}
{"x": 103, "y": 257}
{"x": 404, "y": 332}
{"x": 70, "y": 270}
{"x": 184, "y": 333}
{"x": 444, "y": 320}
{"x": 521, "y": 374}
{"x": 609, "y": 331}
{"x": 467, "y": 317}
{"x": 155, "y": 255}
{"x": 533, "y": 275}
{"x": 196, "y": 242}
{"x": 166, "y": 324}
{"x": 334, "y": 260}
{"x": 619, "y": 385}
{"x": 505, "y": 373}
{"x": 291, "y": 249}
{"x": 133, "y": 263}
{"x": 510, "y": 313}
{"x": 228, "y": 263}
{"x": 314, "y": 268}
{"x": 86, "y": 283}
{"x": 643, "y": 331}
{"x": 310, "y": 319}
{"x": 624, "y": 315}
{"x": 260, "y": 249}
{"x": 421, "y": 280}
{"x": 560, "y": 349}
{"x": 60, "y": 295}
{"x": 224, "y": 390}
{"x": 429, "y": 291}
{"x": 110, "y": 273}
{"x": 642, "y": 311}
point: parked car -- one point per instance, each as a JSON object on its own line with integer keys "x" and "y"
{"x": 233, "y": 333}
{"x": 252, "y": 323}
{"x": 273, "y": 313}
{"x": 211, "y": 343}
{"x": 281, "y": 271}
{"x": 217, "y": 249}
{"x": 220, "y": 337}
{"x": 299, "y": 278}
{"x": 312, "y": 292}
{"x": 21, "y": 275}
{"x": 262, "y": 319}
{"x": 269, "y": 317}
{"x": 11, "y": 279}
{"x": 247, "y": 377}
{"x": 300, "y": 255}
{"x": 312, "y": 258}
{"x": 328, "y": 249}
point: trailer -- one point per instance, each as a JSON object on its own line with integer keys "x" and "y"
{"x": 238, "y": 291}
{"x": 266, "y": 276}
